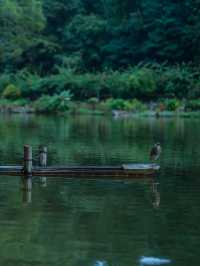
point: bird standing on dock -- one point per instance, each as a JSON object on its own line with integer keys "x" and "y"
{"x": 155, "y": 152}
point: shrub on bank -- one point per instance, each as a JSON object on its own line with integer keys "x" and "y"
{"x": 143, "y": 82}
{"x": 175, "y": 81}
{"x": 5, "y": 80}
{"x": 125, "y": 105}
{"x": 116, "y": 104}
{"x": 55, "y": 103}
{"x": 138, "y": 106}
{"x": 172, "y": 104}
{"x": 93, "y": 102}
{"x": 193, "y": 105}
{"x": 11, "y": 92}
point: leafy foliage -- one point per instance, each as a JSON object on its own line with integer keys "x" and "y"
{"x": 144, "y": 82}
{"x": 120, "y": 104}
{"x": 95, "y": 48}
{"x": 21, "y": 23}
{"x": 172, "y": 104}
{"x": 193, "y": 105}
{"x": 11, "y": 92}
{"x": 55, "y": 103}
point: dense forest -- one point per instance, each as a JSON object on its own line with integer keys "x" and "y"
{"x": 100, "y": 49}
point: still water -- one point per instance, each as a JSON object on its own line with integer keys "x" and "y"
{"x": 101, "y": 222}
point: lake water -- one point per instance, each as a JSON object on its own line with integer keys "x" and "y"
{"x": 101, "y": 222}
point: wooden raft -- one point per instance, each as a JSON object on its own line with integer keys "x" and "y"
{"x": 121, "y": 171}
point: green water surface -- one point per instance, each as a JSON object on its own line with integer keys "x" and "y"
{"x": 82, "y": 222}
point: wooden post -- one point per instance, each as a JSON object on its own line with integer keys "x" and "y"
{"x": 42, "y": 156}
{"x": 43, "y": 163}
{"x": 28, "y": 160}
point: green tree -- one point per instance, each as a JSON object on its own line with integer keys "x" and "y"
{"x": 21, "y": 23}
{"x": 86, "y": 33}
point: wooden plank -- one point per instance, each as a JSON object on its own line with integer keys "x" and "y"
{"x": 82, "y": 168}
{"x": 140, "y": 166}
{"x": 132, "y": 167}
{"x": 11, "y": 167}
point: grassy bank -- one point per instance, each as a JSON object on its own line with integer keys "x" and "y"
{"x": 61, "y": 104}
{"x": 145, "y": 88}
{"x": 143, "y": 82}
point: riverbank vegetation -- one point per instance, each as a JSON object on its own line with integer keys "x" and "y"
{"x": 98, "y": 56}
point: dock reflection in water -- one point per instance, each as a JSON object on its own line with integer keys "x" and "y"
{"x": 87, "y": 202}
{"x": 27, "y": 183}
{"x": 26, "y": 189}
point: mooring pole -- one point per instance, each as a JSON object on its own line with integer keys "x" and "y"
{"x": 43, "y": 162}
{"x": 42, "y": 156}
{"x": 27, "y": 178}
{"x": 28, "y": 160}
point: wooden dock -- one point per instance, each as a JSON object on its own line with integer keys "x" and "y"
{"x": 121, "y": 171}
{"x": 126, "y": 171}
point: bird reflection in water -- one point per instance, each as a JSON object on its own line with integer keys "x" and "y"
{"x": 156, "y": 195}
